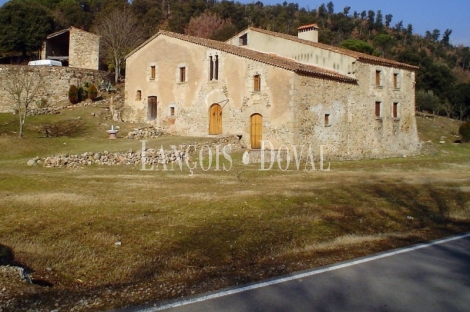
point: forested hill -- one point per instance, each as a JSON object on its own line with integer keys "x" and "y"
{"x": 443, "y": 80}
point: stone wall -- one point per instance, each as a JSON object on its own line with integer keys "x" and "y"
{"x": 83, "y": 49}
{"x": 353, "y": 130}
{"x": 57, "y": 81}
{"x": 191, "y": 100}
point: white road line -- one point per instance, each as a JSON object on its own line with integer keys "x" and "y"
{"x": 302, "y": 275}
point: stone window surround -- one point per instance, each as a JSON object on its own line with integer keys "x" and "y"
{"x": 214, "y": 62}
{"x": 179, "y": 71}
{"x": 378, "y": 110}
{"x": 152, "y": 69}
{"x": 396, "y": 83}
{"x": 327, "y": 120}
{"x": 396, "y": 110}
{"x": 172, "y": 109}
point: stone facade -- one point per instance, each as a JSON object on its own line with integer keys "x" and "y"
{"x": 84, "y": 49}
{"x": 73, "y": 47}
{"x": 357, "y": 106}
{"x": 57, "y": 81}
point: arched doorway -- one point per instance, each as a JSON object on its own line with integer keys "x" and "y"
{"x": 215, "y": 119}
{"x": 256, "y": 131}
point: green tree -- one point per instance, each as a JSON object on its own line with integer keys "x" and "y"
{"x": 357, "y": 45}
{"x": 25, "y": 25}
{"x": 384, "y": 42}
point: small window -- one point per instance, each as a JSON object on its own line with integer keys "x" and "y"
{"x": 182, "y": 74}
{"x": 172, "y": 111}
{"x": 327, "y": 119}
{"x": 211, "y": 68}
{"x": 395, "y": 110}
{"x": 257, "y": 83}
{"x": 138, "y": 95}
{"x": 152, "y": 72}
{"x": 243, "y": 40}
{"x": 377, "y": 109}
{"x": 216, "y": 68}
{"x": 396, "y": 81}
{"x": 378, "y": 78}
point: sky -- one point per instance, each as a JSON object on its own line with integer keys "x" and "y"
{"x": 422, "y": 14}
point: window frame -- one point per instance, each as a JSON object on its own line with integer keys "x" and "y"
{"x": 183, "y": 74}
{"x": 257, "y": 83}
{"x": 378, "y": 109}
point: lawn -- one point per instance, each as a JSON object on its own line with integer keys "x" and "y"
{"x": 103, "y": 237}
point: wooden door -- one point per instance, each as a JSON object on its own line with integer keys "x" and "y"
{"x": 152, "y": 108}
{"x": 215, "y": 119}
{"x": 256, "y": 131}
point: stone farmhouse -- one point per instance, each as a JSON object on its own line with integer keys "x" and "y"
{"x": 73, "y": 47}
{"x": 262, "y": 85}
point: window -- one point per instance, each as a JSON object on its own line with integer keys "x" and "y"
{"x": 378, "y": 78}
{"x": 138, "y": 95}
{"x": 377, "y": 109}
{"x": 214, "y": 67}
{"x": 152, "y": 72}
{"x": 327, "y": 120}
{"x": 172, "y": 111}
{"x": 211, "y": 68}
{"x": 182, "y": 74}
{"x": 243, "y": 40}
{"x": 395, "y": 110}
{"x": 396, "y": 80}
{"x": 257, "y": 83}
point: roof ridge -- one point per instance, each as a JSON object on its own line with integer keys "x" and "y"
{"x": 274, "y": 60}
{"x": 358, "y": 55}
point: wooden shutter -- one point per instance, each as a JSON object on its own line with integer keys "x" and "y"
{"x": 377, "y": 109}
{"x": 152, "y": 72}
{"x": 257, "y": 83}
{"x": 395, "y": 110}
{"x": 182, "y": 74}
{"x": 377, "y": 77}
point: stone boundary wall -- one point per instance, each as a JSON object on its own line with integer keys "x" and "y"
{"x": 57, "y": 81}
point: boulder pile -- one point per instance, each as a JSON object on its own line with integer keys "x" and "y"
{"x": 145, "y": 133}
{"x": 175, "y": 154}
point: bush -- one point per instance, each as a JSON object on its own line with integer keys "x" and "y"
{"x": 82, "y": 94}
{"x": 92, "y": 92}
{"x": 60, "y": 128}
{"x": 73, "y": 94}
{"x": 464, "y": 131}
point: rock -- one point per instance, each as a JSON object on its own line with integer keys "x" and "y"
{"x": 31, "y": 162}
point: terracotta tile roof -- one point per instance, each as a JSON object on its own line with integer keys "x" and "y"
{"x": 307, "y": 26}
{"x": 270, "y": 59}
{"x": 366, "y": 58}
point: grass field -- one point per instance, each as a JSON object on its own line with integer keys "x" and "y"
{"x": 102, "y": 237}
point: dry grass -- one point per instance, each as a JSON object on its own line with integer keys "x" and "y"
{"x": 182, "y": 234}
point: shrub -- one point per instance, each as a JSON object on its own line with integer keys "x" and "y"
{"x": 73, "y": 94}
{"x": 464, "y": 131}
{"x": 82, "y": 94}
{"x": 92, "y": 92}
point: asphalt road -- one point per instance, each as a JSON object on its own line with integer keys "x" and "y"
{"x": 427, "y": 277}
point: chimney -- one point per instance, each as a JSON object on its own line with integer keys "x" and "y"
{"x": 308, "y": 32}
